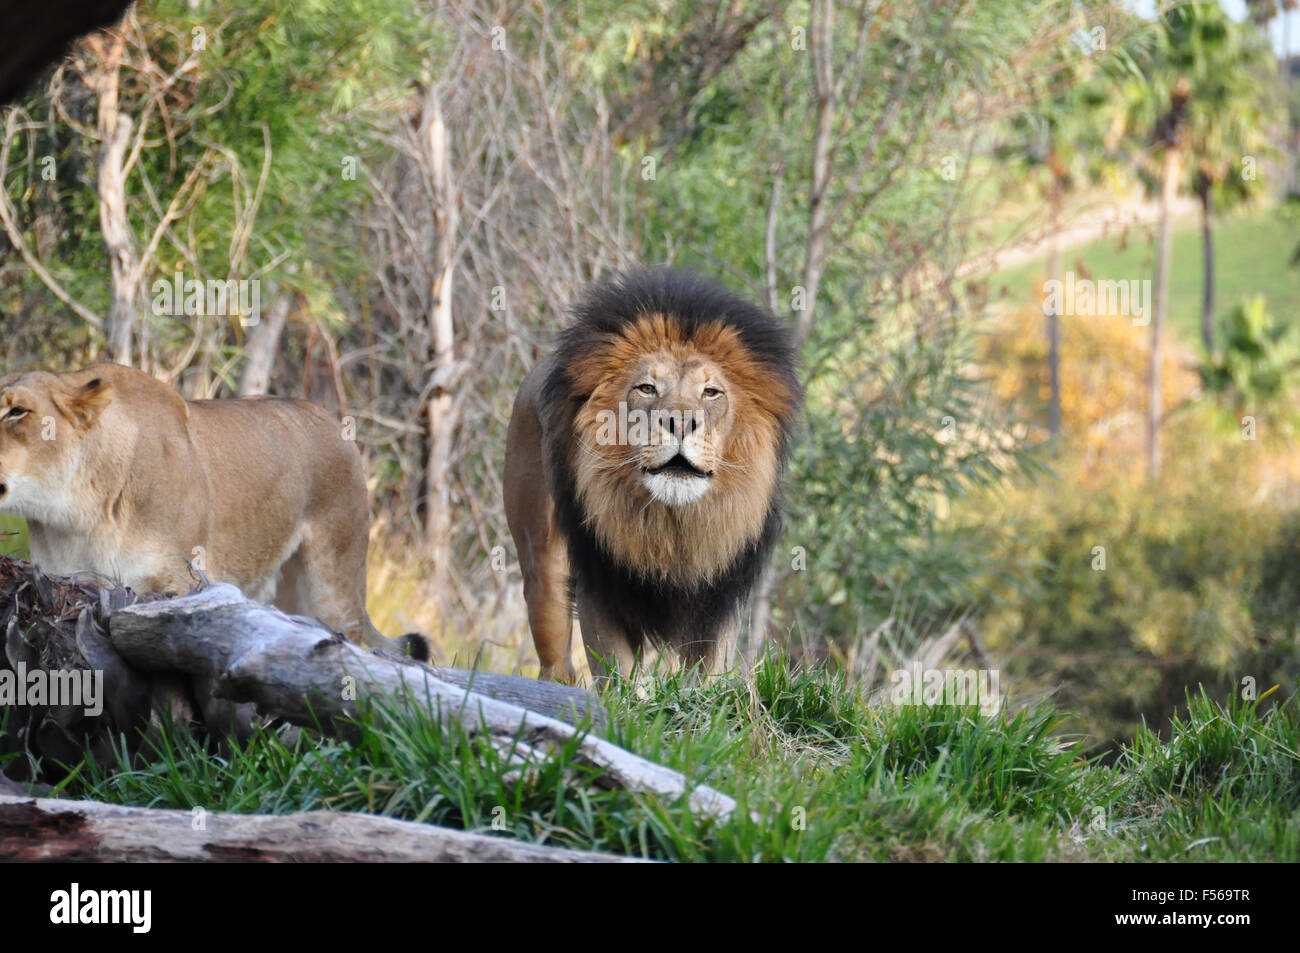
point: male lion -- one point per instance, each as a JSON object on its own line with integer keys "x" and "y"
{"x": 118, "y": 475}
{"x": 642, "y": 476}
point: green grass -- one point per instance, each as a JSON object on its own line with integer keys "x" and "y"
{"x": 819, "y": 774}
{"x": 1226, "y": 787}
{"x": 13, "y": 537}
{"x": 1252, "y": 257}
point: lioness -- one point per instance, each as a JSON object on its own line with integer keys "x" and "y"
{"x": 118, "y": 475}
{"x": 642, "y": 475}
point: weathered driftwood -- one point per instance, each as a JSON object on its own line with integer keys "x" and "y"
{"x": 574, "y": 705}
{"x": 295, "y": 669}
{"x": 60, "y": 623}
{"x": 50, "y": 829}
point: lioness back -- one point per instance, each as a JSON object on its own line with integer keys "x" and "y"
{"x": 253, "y": 450}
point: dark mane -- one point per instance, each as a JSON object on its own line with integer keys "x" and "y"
{"x": 649, "y": 609}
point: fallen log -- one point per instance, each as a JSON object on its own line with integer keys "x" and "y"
{"x": 293, "y": 668}
{"x": 59, "y": 624}
{"x": 52, "y": 829}
{"x": 574, "y": 705}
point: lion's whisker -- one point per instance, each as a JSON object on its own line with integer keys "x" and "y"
{"x": 727, "y": 464}
{"x": 607, "y": 464}
{"x": 614, "y": 464}
{"x": 649, "y": 499}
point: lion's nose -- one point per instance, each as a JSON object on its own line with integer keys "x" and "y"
{"x": 681, "y": 423}
{"x": 671, "y": 424}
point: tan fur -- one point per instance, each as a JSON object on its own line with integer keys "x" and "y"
{"x": 119, "y": 476}
{"x": 738, "y": 446}
{"x": 530, "y": 514}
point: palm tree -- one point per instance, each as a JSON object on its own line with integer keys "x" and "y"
{"x": 1063, "y": 135}
{"x": 1186, "y": 95}
{"x": 1052, "y": 148}
{"x": 1075, "y": 130}
{"x": 1262, "y": 13}
{"x": 1225, "y": 122}
{"x": 1171, "y": 140}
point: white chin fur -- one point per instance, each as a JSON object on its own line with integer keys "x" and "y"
{"x": 30, "y": 501}
{"x": 676, "y": 490}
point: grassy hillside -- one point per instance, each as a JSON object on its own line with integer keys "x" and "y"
{"x": 826, "y": 773}
{"x": 1252, "y": 254}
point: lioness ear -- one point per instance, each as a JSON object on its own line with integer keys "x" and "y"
{"x": 83, "y": 403}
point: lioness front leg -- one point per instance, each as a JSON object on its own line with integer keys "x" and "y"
{"x": 332, "y": 584}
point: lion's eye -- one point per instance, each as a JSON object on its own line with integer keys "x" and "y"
{"x": 647, "y": 389}
{"x": 15, "y": 413}
{"x": 712, "y": 392}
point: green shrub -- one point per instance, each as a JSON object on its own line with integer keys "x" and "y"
{"x": 1134, "y": 594}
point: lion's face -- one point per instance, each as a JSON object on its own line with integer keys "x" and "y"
{"x": 679, "y": 417}
{"x": 678, "y": 445}
{"x": 42, "y": 419}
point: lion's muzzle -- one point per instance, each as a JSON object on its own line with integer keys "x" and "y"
{"x": 679, "y": 480}
{"x": 679, "y": 466}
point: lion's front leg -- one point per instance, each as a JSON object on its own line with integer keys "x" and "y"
{"x": 724, "y": 650}
{"x": 609, "y": 649}
{"x": 545, "y": 567}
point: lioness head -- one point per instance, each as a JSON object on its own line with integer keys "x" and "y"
{"x": 679, "y": 399}
{"x": 43, "y": 417}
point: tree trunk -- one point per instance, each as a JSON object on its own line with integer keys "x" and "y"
{"x": 263, "y": 346}
{"x": 53, "y": 829}
{"x": 821, "y": 58}
{"x": 114, "y": 131}
{"x": 1207, "y": 251}
{"x": 819, "y": 36}
{"x": 1164, "y": 251}
{"x": 442, "y": 405}
{"x": 1054, "y": 319}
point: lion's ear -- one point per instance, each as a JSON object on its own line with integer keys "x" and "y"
{"x": 83, "y": 403}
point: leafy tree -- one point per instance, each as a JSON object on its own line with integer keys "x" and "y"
{"x": 1263, "y": 12}
{"x": 1226, "y": 118}
{"x": 241, "y": 120}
